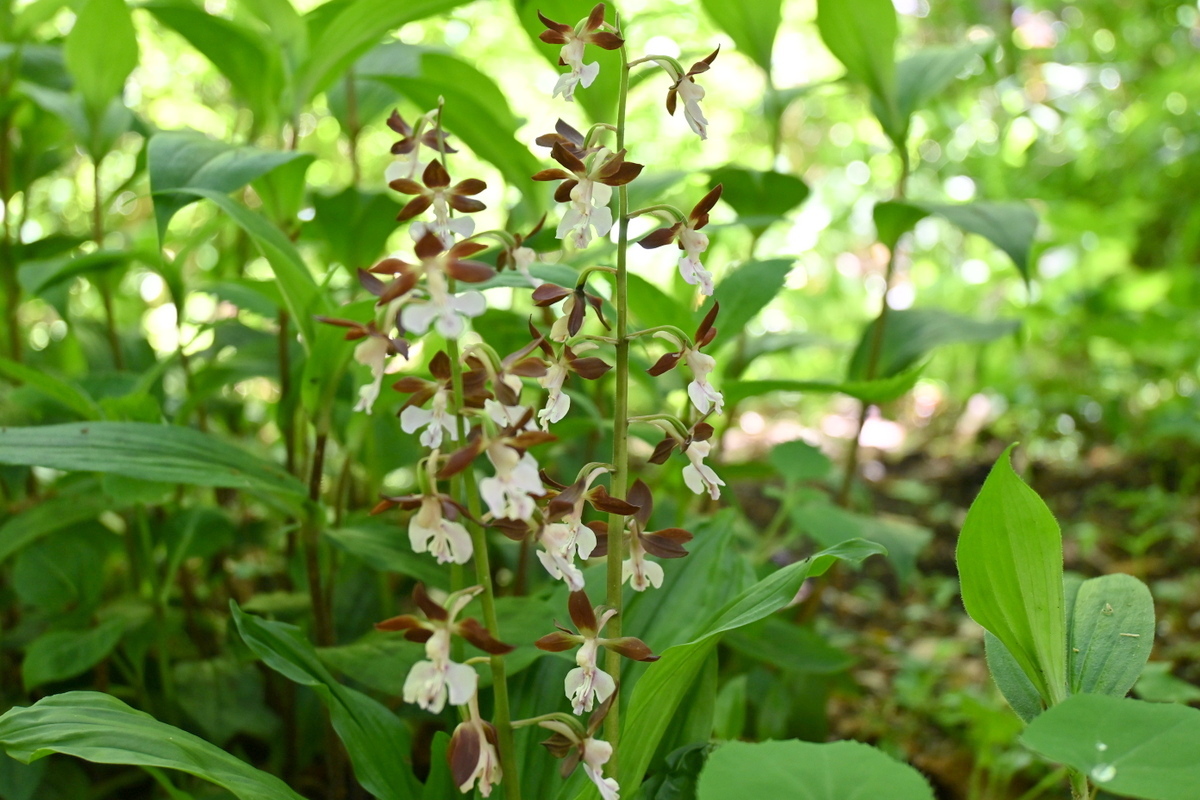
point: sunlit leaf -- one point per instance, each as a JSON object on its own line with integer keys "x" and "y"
{"x": 251, "y": 65}
{"x": 1010, "y": 569}
{"x": 744, "y": 292}
{"x": 759, "y": 198}
{"x": 1129, "y": 748}
{"x": 882, "y": 390}
{"x": 752, "y": 26}
{"x": 862, "y": 35}
{"x": 1011, "y": 680}
{"x": 64, "y": 392}
{"x": 923, "y": 75}
{"x": 100, "y": 728}
{"x": 184, "y": 163}
{"x": 808, "y": 771}
{"x": 101, "y": 50}
{"x": 909, "y": 334}
{"x": 1010, "y": 226}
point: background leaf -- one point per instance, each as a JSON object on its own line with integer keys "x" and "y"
{"x": 100, "y": 52}
{"x": 910, "y": 333}
{"x": 59, "y": 655}
{"x": 744, "y": 292}
{"x": 143, "y": 450}
{"x": 752, "y": 26}
{"x": 759, "y": 198}
{"x": 808, "y": 771}
{"x": 1010, "y": 226}
{"x": 862, "y": 35}
{"x": 100, "y": 728}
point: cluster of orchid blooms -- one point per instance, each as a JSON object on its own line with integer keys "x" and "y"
{"x": 474, "y": 408}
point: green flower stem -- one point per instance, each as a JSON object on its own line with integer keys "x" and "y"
{"x": 620, "y": 458}
{"x": 501, "y": 717}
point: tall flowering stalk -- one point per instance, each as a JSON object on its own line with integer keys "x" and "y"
{"x": 481, "y": 411}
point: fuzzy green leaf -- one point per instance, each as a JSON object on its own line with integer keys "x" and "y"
{"x": 1111, "y": 634}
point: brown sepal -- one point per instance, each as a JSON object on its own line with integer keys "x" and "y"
{"x": 702, "y": 432}
{"x": 462, "y": 458}
{"x": 699, "y": 215}
{"x": 660, "y": 237}
{"x": 404, "y": 622}
{"x": 582, "y": 613}
{"x": 428, "y": 246}
{"x": 606, "y": 40}
{"x": 640, "y": 496}
{"x": 601, "y": 500}
{"x": 662, "y": 451}
{"x": 481, "y": 637}
{"x": 706, "y": 332}
{"x": 665, "y": 363}
{"x": 406, "y": 186}
{"x": 435, "y": 175}
{"x": 470, "y": 271}
{"x": 589, "y": 368}
{"x": 466, "y": 205}
{"x": 427, "y": 605}
{"x": 557, "y": 642}
{"x": 548, "y": 294}
{"x": 415, "y": 206}
{"x": 631, "y": 647}
{"x": 462, "y": 754}
{"x": 667, "y": 543}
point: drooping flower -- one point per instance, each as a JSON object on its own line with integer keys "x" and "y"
{"x": 574, "y": 307}
{"x": 685, "y": 86}
{"x": 510, "y": 491}
{"x": 587, "y": 186}
{"x": 694, "y": 443}
{"x": 666, "y": 543}
{"x": 564, "y": 536}
{"x": 561, "y": 364}
{"x": 573, "y": 41}
{"x": 473, "y": 753}
{"x": 438, "y": 193}
{"x": 438, "y": 419}
{"x": 573, "y": 743}
{"x": 691, "y": 241}
{"x": 431, "y": 682}
{"x": 409, "y": 144}
{"x": 704, "y": 397}
{"x": 433, "y": 530}
{"x": 587, "y": 683}
{"x": 520, "y": 256}
{"x": 436, "y": 306}
{"x": 377, "y": 350}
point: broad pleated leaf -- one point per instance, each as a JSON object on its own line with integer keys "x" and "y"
{"x": 1011, "y": 226}
{"x": 59, "y": 655}
{"x": 909, "y": 335}
{"x": 164, "y": 453}
{"x": 744, "y": 292}
{"x": 759, "y": 198}
{"x": 752, "y": 26}
{"x": 101, "y": 50}
{"x": 100, "y": 728}
{"x": 862, "y": 35}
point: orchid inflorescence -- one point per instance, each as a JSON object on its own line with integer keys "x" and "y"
{"x": 476, "y": 406}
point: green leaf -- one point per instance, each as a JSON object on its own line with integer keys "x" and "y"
{"x": 650, "y": 306}
{"x": 745, "y": 292}
{"x": 353, "y": 29}
{"x": 923, "y": 75}
{"x": 759, "y": 198}
{"x": 377, "y": 661}
{"x": 1128, "y": 748}
{"x": 1010, "y": 226}
{"x": 883, "y": 390}
{"x": 63, "y": 392}
{"x": 798, "y": 461}
{"x": 101, "y": 50}
{"x": 74, "y": 503}
{"x": 1111, "y": 635}
{"x": 143, "y": 450}
{"x": 752, "y": 26}
{"x": 1010, "y": 568}
{"x": 354, "y": 225}
{"x": 862, "y": 35}
{"x": 828, "y": 525}
{"x": 476, "y": 109}
{"x": 808, "y": 771}
{"x": 600, "y": 99}
{"x": 252, "y": 67}
{"x": 1158, "y": 685}
{"x": 893, "y": 219}
{"x": 385, "y": 548}
{"x": 185, "y": 165}
{"x": 659, "y": 691}
{"x": 910, "y": 333}
{"x": 37, "y": 277}
{"x": 1011, "y": 680}
{"x": 225, "y": 697}
{"x": 377, "y": 741}
{"x": 58, "y": 655}
{"x": 100, "y": 728}
{"x": 789, "y": 646}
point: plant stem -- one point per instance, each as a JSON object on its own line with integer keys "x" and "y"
{"x": 876, "y": 350}
{"x": 1079, "y": 786}
{"x": 501, "y": 716}
{"x": 11, "y": 286}
{"x": 310, "y": 530}
{"x": 620, "y": 456}
{"x": 114, "y": 341}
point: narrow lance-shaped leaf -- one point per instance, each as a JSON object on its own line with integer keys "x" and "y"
{"x": 1010, "y": 568}
{"x": 862, "y": 35}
